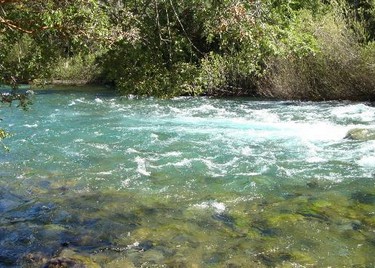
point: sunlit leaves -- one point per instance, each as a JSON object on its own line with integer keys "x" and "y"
{"x": 3, "y": 134}
{"x": 34, "y": 33}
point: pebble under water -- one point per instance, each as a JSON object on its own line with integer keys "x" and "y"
{"x": 93, "y": 179}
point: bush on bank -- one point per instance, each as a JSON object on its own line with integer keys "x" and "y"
{"x": 339, "y": 67}
{"x": 306, "y": 50}
{"x": 309, "y": 50}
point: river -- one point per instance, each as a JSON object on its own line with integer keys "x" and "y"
{"x": 100, "y": 180}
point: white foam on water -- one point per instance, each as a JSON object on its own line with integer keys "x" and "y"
{"x": 141, "y": 166}
{"x": 74, "y": 102}
{"x": 101, "y": 146}
{"x": 71, "y": 153}
{"x": 265, "y": 116}
{"x": 217, "y": 169}
{"x": 244, "y": 129}
{"x": 365, "y": 154}
{"x": 315, "y": 159}
{"x": 125, "y": 183}
{"x": 360, "y": 112}
{"x": 218, "y": 207}
{"x": 246, "y": 151}
{"x": 183, "y": 163}
{"x": 132, "y": 151}
{"x": 154, "y": 137}
{"x": 98, "y": 100}
{"x": 171, "y": 154}
{"x": 248, "y": 174}
{"x": 81, "y": 100}
{"x": 105, "y": 173}
{"x": 211, "y": 110}
{"x": 31, "y": 126}
{"x": 203, "y": 138}
{"x": 312, "y": 152}
{"x": 323, "y": 131}
{"x": 367, "y": 161}
{"x": 134, "y": 245}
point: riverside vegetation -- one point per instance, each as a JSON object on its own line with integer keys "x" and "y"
{"x": 306, "y": 50}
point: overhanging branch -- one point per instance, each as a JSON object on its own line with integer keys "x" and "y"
{"x": 7, "y": 1}
{"x": 12, "y": 25}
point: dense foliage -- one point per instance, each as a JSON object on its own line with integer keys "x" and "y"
{"x": 284, "y": 49}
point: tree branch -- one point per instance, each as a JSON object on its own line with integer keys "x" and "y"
{"x": 12, "y": 25}
{"x": 183, "y": 29}
{"x": 8, "y": 1}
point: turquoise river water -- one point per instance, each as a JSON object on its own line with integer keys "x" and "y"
{"x": 93, "y": 179}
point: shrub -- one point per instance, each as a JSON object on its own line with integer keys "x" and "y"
{"x": 338, "y": 69}
{"x": 80, "y": 67}
{"x": 22, "y": 61}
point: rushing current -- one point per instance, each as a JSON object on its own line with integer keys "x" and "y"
{"x": 98, "y": 180}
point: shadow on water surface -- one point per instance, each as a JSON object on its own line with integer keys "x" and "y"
{"x": 100, "y": 91}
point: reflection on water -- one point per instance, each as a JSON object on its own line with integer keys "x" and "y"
{"x": 94, "y": 180}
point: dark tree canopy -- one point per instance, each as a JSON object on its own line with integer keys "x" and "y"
{"x": 168, "y": 47}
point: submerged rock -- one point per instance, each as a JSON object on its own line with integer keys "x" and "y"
{"x": 364, "y": 197}
{"x": 361, "y": 134}
{"x": 7, "y": 205}
{"x": 313, "y": 184}
{"x": 69, "y": 258}
{"x": 315, "y": 211}
{"x": 275, "y": 258}
{"x": 9, "y": 201}
{"x": 224, "y": 218}
{"x": 121, "y": 263}
{"x": 36, "y": 259}
{"x": 144, "y": 245}
{"x": 63, "y": 262}
{"x": 215, "y": 258}
{"x": 265, "y": 230}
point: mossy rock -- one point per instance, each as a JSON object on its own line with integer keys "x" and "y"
{"x": 121, "y": 263}
{"x": 354, "y": 235}
{"x": 361, "y": 134}
{"x": 242, "y": 222}
{"x": 301, "y": 257}
{"x": 141, "y": 233}
{"x": 370, "y": 221}
{"x": 70, "y": 258}
{"x": 253, "y": 234}
{"x": 321, "y": 204}
{"x": 364, "y": 197}
{"x": 272, "y": 259}
{"x": 282, "y": 219}
{"x": 313, "y": 213}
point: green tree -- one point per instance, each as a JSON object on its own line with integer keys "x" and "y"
{"x": 34, "y": 33}
{"x": 176, "y": 47}
{"x": 364, "y": 11}
{"x": 166, "y": 48}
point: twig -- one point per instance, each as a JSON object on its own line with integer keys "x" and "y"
{"x": 12, "y": 25}
{"x": 183, "y": 28}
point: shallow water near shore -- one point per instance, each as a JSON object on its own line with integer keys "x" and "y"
{"x": 99, "y": 180}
